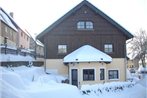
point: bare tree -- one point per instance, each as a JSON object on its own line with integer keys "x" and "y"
{"x": 139, "y": 46}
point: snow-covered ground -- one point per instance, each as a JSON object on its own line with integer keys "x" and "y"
{"x": 32, "y": 82}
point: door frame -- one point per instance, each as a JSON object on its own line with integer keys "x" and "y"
{"x": 70, "y": 74}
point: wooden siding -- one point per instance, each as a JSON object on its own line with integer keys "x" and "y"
{"x": 66, "y": 33}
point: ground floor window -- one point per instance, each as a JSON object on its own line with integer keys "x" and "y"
{"x": 113, "y": 74}
{"x": 88, "y": 74}
{"x": 102, "y": 74}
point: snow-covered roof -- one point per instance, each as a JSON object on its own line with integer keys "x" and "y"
{"x": 6, "y": 19}
{"x": 39, "y": 43}
{"x": 87, "y": 53}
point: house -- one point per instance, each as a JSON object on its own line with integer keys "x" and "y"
{"x": 13, "y": 39}
{"x": 8, "y": 32}
{"x": 37, "y": 49}
{"x": 87, "y": 46}
{"x": 11, "y": 32}
{"x": 24, "y": 39}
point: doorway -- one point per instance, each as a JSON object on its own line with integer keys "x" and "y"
{"x": 74, "y": 77}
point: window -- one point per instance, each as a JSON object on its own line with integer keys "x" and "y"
{"x": 6, "y": 29}
{"x": 62, "y": 49}
{"x": 102, "y": 74}
{"x": 108, "y": 48}
{"x": 113, "y": 74}
{"x": 88, "y": 74}
{"x": 81, "y": 25}
{"x": 21, "y": 34}
{"x": 89, "y": 25}
{"x": 27, "y": 38}
{"x": 86, "y": 25}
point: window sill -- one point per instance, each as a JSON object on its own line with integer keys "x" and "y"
{"x": 88, "y": 80}
{"x": 85, "y": 29}
{"x": 114, "y": 79}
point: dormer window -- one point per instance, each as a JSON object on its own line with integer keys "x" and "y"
{"x": 85, "y": 25}
{"x": 81, "y": 25}
{"x": 89, "y": 25}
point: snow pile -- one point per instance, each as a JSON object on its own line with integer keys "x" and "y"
{"x": 32, "y": 82}
{"x": 107, "y": 87}
{"x": 132, "y": 77}
{"x": 140, "y": 68}
{"x": 114, "y": 90}
{"x": 10, "y": 57}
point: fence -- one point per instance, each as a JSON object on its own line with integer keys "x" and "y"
{"x": 18, "y": 51}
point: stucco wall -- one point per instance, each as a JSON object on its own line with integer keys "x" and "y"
{"x": 116, "y": 64}
{"x": 57, "y": 65}
{"x": 24, "y": 40}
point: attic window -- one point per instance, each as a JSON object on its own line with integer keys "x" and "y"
{"x": 89, "y": 25}
{"x": 81, "y": 25}
{"x": 85, "y": 25}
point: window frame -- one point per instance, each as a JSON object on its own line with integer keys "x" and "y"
{"x": 108, "y": 48}
{"x": 85, "y": 25}
{"x": 89, "y": 78}
{"x": 62, "y": 51}
{"x": 21, "y": 34}
{"x": 80, "y": 25}
{"x": 113, "y": 78}
{"x": 88, "y": 25}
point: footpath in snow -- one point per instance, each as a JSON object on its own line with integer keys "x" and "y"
{"x": 32, "y": 82}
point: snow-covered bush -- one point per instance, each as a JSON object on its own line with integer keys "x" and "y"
{"x": 107, "y": 87}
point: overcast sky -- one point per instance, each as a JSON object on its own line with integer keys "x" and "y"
{"x": 36, "y": 15}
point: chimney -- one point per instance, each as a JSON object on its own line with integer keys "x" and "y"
{"x": 11, "y": 14}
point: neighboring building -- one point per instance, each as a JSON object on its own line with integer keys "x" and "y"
{"x": 86, "y": 26}
{"x": 8, "y": 31}
{"x": 15, "y": 36}
{"x": 24, "y": 39}
{"x": 130, "y": 63}
{"x": 39, "y": 50}
{"x": 32, "y": 43}
{"x": 16, "y": 41}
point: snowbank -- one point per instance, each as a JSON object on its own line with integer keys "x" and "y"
{"x": 114, "y": 90}
{"x": 32, "y": 82}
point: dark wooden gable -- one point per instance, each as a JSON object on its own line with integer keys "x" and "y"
{"x": 77, "y": 8}
{"x": 64, "y": 31}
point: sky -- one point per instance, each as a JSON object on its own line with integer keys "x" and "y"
{"x": 37, "y": 15}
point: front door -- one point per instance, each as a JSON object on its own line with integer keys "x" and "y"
{"x": 74, "y": 77}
